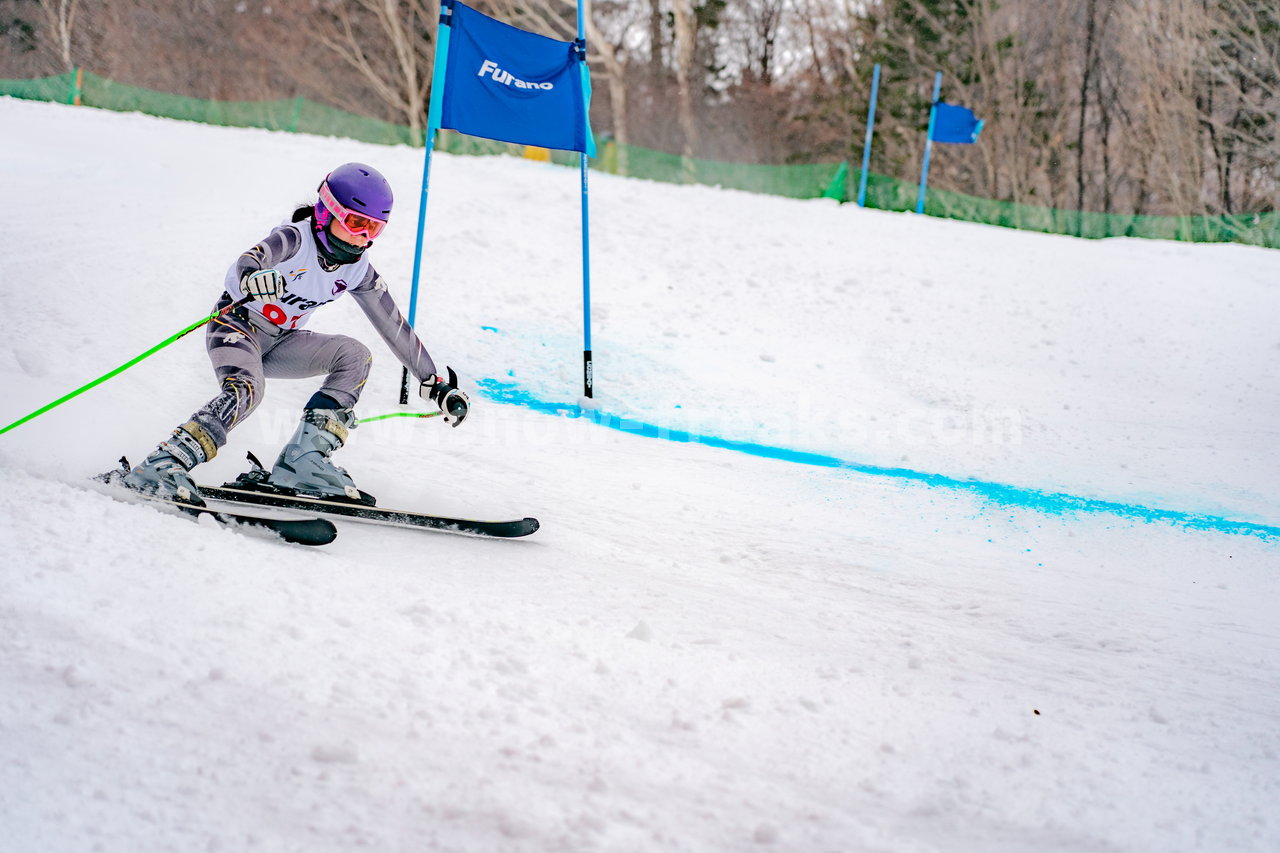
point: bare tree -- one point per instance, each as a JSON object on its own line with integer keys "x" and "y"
{"x": 60, "y": 18}
{"x": 1241, "y": 104}
{"x": 612, "y": 29}
{"x": 657, "y": 40}
{"x": 755, "y": 26}
{"x": 1090, "y": 68}
{"x": 686, "y": 50}
{"x": 390, "y": 44}
{"x": 1164, "y": 40}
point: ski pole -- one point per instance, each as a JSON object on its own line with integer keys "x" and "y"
{"x": 400, "y": 415}
{"x": 122, "y": 368}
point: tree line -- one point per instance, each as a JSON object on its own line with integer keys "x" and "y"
{"x": 1117, "y": 106}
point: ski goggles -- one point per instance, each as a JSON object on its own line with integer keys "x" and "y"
{"x": 353, "y": 220}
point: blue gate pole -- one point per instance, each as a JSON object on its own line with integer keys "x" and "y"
{"x": 588, "y": 371}
{"x": 866, "y": 145}
{"x": 928, "y": 145}
{"x": 588, "y": 380}
{"x": 433, "y": 122}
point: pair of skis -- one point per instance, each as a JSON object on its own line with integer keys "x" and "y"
{"x": 310, "y": 531}
{"x": 297, "y": 529}
{"x": 306, "y": 520}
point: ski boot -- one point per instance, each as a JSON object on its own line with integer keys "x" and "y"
{"x": 304, "y": 466}
{"x": 165, "y": 472}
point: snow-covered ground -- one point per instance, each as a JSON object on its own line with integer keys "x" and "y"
{"x": 702, "y": 649}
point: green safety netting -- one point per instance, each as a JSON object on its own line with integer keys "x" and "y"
{"x": 830, "y": 180}
{"x": 809, "y": 180}
{"x": 60, "y": 88}
{"x": 885, "y": 193}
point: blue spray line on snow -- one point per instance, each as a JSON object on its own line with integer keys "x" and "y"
{"x": 1050, "y": 503}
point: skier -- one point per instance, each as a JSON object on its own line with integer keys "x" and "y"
{"x": 310, "y": 260}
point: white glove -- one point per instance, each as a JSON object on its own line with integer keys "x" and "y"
{"x": 446, "y": 395}
{"x": 263, "y": 284}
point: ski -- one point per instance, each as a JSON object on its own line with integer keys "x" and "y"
{"x": 300, "y": 531}
{"x": 235, "y": 493}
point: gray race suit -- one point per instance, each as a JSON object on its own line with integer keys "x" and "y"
{"x": 265, "y": 339}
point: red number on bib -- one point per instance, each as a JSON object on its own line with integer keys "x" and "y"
{"x": 274, "y": 313}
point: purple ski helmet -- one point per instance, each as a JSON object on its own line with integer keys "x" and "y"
{"x": 360, "y": 198}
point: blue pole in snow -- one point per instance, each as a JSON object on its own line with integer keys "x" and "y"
{"x": 928, "y": 145}
{"x": 866, "y": 146}
{"x": 433, "y": 123}
{"x": 588, "y": 377}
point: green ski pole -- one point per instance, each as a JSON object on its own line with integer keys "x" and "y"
{"x": 128, "y": 364}
{"x": 400, "y": 415}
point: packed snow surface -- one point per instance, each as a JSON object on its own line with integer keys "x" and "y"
{"x": 702, "y": 649}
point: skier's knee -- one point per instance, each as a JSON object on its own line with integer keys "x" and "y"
{"x": 241, "y": 393}
{"x": 247, "y": 391}
{"x": 352, "y": 356}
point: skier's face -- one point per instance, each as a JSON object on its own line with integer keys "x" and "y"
{"x": 337, "y": 229}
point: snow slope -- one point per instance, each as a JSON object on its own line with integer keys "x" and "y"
{"x": 702, "y": 649}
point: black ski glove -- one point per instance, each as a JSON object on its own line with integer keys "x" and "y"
{"x": 452, "y": 402}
